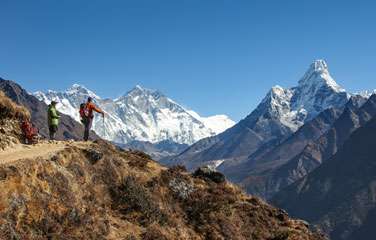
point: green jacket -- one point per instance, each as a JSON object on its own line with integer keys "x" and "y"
{"x": 53, "y": 116}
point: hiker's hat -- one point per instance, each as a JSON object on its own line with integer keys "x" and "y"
{"x": 53, "y": 102}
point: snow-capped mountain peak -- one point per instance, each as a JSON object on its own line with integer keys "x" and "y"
{"x": 141, "y": 114}
{"x": 319, "y": 66}
{"x": 315, "y": 92}
{"x": 137, "y": 90}
{"x": 77, "y": 89}
{"x": 318, "y": 76}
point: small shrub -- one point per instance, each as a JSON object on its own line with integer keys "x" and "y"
{"x": 130, "y": 237}
{"x": 93, "y": 155}
{"x": 139, "y": 160}
{"x": 208, "y": 174}
{"x": 178, "y": 168}
{"x": 173, "y": 172}
{"x": 282, "y": 235}
{"x": 154, "y": 232}
{"x": 216, "y": 199}
{"x": 131, "y": 196}
{"x": 181, "y": 188}
{"x": 141, "y": 154}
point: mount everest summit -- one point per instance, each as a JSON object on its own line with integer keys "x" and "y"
{"x": 141, "y": 115}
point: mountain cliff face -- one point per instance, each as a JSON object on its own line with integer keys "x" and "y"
{"x": 68, "y": 129}
{"x": 328, "y": 144}
{"x": 141, "y": 115}
{"x": 94, "y": 190}
{"x": 340, "y": 194}
{"x": 258, "y": 174}
{"x": 267, "y": 172}
{"x": 281, "y": 113}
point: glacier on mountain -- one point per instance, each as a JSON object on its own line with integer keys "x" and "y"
{"x": 140, "y": 115}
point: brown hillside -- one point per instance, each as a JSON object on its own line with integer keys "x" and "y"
{"x": 94, "y": 190}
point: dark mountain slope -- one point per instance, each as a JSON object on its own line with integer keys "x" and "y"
{"x": 237, "y": 142}
{"x": 305, "y": 150}
{"x": 340, "y": 195}
{"x": 257, "y": 174}
{"x": 328, "y": 144}
{"x": 265, "y": 173}
{"x": 68, "y": 128}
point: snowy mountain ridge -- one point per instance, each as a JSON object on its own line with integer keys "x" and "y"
{"x": 140, "y": 115}
{"x": 281, "y": 113}
{"x": 315, "y": 92}
{"x": 366, "y": 93}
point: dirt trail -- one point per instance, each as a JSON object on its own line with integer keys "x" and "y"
{"x": 21, "y": 151}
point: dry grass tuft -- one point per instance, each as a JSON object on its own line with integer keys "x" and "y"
{"x": 9, "y": 109}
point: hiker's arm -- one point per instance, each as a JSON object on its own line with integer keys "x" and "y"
{"x": 53, "y": 114}
{"x": 98, "y": 110}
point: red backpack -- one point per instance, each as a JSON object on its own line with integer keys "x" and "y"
{"x": 30, "y": 132}
{"x": 84, "y": 111}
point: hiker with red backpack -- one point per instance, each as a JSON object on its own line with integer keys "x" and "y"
{"x": 30, "y": 133}
{"x": 87, "y": 115}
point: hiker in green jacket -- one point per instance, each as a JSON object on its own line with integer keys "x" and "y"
{"x": 53, "y": 119}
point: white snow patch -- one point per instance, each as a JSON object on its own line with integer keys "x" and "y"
{"x": 213, "y": 165}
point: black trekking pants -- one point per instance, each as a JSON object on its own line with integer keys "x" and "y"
{"x": 53, "y": 130}
{"x": 87, "y": 123}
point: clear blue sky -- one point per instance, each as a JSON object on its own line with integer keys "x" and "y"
{"x": 213, "y": 56}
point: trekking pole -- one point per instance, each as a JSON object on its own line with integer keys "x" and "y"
{"x": 104, "y": 126}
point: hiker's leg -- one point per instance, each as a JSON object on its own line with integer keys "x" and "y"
{"x": 86, "y": 134}
{"x": 87, "y": 129}
{"x": 52, "y": 134}
{"x": 53, "y": 130}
